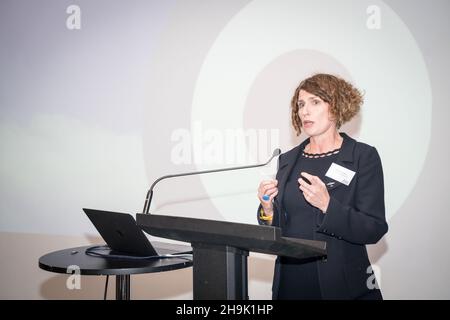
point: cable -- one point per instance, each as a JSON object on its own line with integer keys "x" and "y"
{"x": 106, "y": 287}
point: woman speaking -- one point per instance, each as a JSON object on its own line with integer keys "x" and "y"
{"x": 329, "y": 188}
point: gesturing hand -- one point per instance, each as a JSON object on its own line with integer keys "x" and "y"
{"x": 315, "y": 193}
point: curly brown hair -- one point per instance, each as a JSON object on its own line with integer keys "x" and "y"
{"x": 345, "y": 100}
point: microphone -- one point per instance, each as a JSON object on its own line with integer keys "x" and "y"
{"x": 149, "y": 196}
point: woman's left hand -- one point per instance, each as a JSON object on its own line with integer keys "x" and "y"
{"x": 315, "y": 193}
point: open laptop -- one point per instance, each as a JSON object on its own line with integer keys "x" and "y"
{"x": 123, "y": 235}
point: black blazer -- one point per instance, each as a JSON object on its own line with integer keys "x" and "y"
{"x": 355, "y": 217}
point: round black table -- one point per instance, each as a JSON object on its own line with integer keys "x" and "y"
{"x": 63, "y": 261}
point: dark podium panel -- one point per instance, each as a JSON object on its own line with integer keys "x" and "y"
{"x": 220, "y": 250}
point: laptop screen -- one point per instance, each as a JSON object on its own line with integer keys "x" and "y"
{"x": 120, "y": 232}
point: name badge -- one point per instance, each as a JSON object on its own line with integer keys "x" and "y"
{"x": 341, "y": 174}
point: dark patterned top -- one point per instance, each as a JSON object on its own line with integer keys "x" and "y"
{"x": 300, "y": 279}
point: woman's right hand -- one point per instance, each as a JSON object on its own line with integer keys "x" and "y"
{"x": 269, "y": 188}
